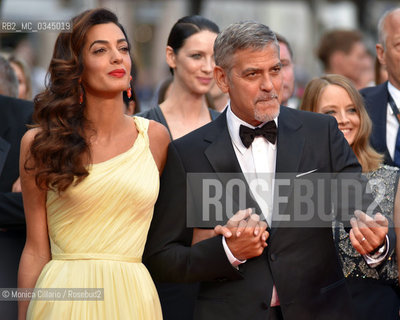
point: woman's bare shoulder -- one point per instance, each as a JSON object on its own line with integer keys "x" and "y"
{"x": 159, "y": 140}
{"x": 158, "y": 133}
{"x": 29, "y": 136}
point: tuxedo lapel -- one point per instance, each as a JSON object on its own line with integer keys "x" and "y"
{"x": 382, "y": 120}
{"x": 377, "y": 104}
{"x": 290, "y": 143}
{"x": 289, "y": 153}
{"x": 380, "y": 113}
{"x": 220, "y": 152}
{"x": 222, "y": 157}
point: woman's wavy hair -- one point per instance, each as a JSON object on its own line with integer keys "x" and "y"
{"x": 59, "y": 150}
{"x": 369, "y": 159}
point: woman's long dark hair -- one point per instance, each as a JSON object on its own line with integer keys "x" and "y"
{"x": 59, "y": 150}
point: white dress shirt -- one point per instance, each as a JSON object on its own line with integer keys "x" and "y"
{"x": 258, "y": 165}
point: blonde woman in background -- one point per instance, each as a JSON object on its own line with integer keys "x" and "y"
{"x": 374, "y": 291}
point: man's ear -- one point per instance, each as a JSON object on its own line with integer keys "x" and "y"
{"x": 380, "y": 53}
{"x": 221, "y": 79}
{"x": 170, "y": 57}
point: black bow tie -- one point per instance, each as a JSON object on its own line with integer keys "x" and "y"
{"x": 268, "y": 131}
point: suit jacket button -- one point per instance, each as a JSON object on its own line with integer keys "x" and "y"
{"x": 273, "y": 256}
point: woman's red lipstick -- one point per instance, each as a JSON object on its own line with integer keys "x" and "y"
{"x": 119, "y": 73}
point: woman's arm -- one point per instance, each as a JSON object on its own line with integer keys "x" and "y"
{"x": 159, "y": 141}
{"x": 36, "y": 252}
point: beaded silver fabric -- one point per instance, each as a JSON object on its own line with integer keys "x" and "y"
{"x": 384, "y": 185}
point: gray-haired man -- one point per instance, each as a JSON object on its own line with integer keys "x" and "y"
{"x": 297, "y": 276}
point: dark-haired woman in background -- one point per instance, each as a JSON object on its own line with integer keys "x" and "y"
{"x": 90, "y": 178}
{"x": 190, "y": 57}
{"x": 373, "y": 289}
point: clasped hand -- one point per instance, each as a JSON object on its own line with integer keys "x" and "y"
{"x": 245, "y": 234}
{"x": 368, "y": 233}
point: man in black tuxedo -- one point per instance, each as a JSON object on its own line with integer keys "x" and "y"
{"x": 15, "y": 114}
{"x": 297, "y": 275}
{"x": 382, "y": 101}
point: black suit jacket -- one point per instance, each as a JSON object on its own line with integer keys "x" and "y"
{"x": 376, "y": 102}
{"x": 301, "y": 262}
{"x": 15, "y": 114}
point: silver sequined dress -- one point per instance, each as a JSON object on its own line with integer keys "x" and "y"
{"x": 384, "y": 185}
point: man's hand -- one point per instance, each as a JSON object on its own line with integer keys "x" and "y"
{"x": 245, "y": 234}
{"x": 367, "y": 233}
{"x": 238, "y": 221}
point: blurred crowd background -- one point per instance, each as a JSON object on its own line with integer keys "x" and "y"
{"x": 148, "y": 22}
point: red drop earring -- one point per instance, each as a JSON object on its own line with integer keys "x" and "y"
{"x": 81, "y": 92}
{"x": 129, "y": 91}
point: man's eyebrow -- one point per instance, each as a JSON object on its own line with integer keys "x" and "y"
{"x": 250, "y": 70}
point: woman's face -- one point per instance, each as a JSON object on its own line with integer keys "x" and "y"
{"x": 21, "y": 80}
{"x": 106, "y": 61}
{"x": 336, "y": 102}
{"x": 194, "y": 63}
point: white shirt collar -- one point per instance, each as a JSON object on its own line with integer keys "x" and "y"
{"x": 234, "y": 123}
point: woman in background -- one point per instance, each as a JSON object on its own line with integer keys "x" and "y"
{"x": 190, "y": 57}
{"x": 374, "y": 290}
{"x": 24, "y": 77}
{"x": 90, "y": 178}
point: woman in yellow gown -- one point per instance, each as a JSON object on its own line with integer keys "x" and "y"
{"x": 90, "y": 178}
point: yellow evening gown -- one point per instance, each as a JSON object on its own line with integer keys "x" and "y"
{"x": 97, "y": 233}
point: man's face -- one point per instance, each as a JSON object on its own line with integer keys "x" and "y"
{"x": 254, "y": 84}
{"x": 353, "y": 63}
{"x": 287, "y": 73}
{"x": 391, "y": 56}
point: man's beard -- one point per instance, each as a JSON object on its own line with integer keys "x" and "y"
{"x": 266, "y": 116}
